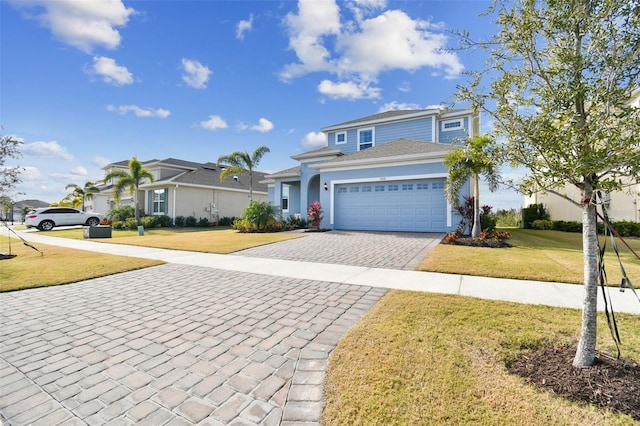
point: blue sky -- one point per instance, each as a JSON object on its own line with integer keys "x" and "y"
{"x": 86, "y": 83}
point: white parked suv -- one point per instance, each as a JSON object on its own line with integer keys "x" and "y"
{"x": 46, "y": 218}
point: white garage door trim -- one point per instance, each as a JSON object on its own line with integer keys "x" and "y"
{"x": 332, "y": 184}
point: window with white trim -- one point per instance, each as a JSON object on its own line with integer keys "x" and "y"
{"x": 341, "y": 138}
{"x": 159, "y": 201}
{"x": 365, "y": 139}
{"x": 451, "y": 125}
{"x": 285, "y": 198}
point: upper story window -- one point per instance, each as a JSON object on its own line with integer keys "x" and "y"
{"x": 451, "y": 125}
{"x": 341, "y": 138}
{"x": 365, "y": 139}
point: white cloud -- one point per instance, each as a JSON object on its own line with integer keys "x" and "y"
{"x": 314, "y": 140}
{"x": 263, "y": 126}
{"x": 46, "y": 149}
{"x": 401, "y": 106}
{"x": 358, "y": 51}
{"x": 195, "y": 74}
{"x": 244, "y": 26}
{"x": 348, "y": 90}
{"x": 81, "y": 24}
{"x": 76, "y": 174}
{"x": 214, "y": 122}
{"x": 111, "y": 72}
{"x": 138, "y": 111}
{"x": 30, "y": 173}
{"x": 100, "y": 161}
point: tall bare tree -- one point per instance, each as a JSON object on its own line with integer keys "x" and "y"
{"x": 557, "y": 84}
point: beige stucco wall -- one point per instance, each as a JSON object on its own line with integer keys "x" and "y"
{"x": 203, "y": 202}
{"x": 623, "y": 206}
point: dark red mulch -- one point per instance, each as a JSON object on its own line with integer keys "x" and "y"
{"x": 475, "y": 242}
{"x": 610, "y": 383}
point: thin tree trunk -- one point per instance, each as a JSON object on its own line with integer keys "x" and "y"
{"x": 475, "y": 231}
{"x": 586, "y": 351}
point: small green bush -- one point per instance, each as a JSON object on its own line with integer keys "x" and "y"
{"x": 292, "y": 222}
{"x": 226, "y": 221}
{"x": 533, "y": 212}
{"x": 203, "y": 222}
{"x": 164, "y": 221}
{"x": 180, "y": 221}
{"x": 131, "y": 223}
{"x": 508, "y": 218}
{"x": 567, "y": 226}
{"x": 190, "y": 222}
{"x": 149, "y": 222}
{"x": 120, "y": 213}
{"x": 117, "y": 224}
{"x": 259, "y": 216}
{"x": 542, "y": 224}
{"x": 627, "y": 228}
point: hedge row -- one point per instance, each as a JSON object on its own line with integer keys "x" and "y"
{"x": 624, "y": 227}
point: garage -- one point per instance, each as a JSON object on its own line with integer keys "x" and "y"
{"x": 412, "y": 205}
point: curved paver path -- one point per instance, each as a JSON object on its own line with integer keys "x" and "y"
{"x": 173, "y": 344}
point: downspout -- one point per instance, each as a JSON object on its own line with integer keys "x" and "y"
{"x": 175, "y": 195}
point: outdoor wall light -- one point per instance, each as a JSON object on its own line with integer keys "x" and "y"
{"x": 326, "y": 187}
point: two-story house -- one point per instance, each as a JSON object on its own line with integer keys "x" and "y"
{"x": 185, "y": 188}
{"x": 383, "y": 172}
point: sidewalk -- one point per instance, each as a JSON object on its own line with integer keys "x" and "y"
{"x": 520, "y": 291}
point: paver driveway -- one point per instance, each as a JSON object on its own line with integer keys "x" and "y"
{"x": 180, "y": 344}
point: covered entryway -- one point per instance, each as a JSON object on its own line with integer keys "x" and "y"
{"x": 412, "y": 205}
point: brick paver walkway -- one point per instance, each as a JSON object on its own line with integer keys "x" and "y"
{"x": 389, "y": 250}
{"x": 173, "y": 345}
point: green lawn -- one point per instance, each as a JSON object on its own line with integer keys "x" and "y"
{"x": 58, "y": 265}
{"x": 535, "y": 255}
{"x": 428, "y": 359}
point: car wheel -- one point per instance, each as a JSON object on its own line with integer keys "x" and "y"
{"x": 46, "y": 225}
{"x": 93, "y": 221}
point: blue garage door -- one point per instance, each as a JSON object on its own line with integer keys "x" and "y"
{"x": 416, "y": 205}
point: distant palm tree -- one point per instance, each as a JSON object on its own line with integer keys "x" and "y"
{"x": 81, "y": 193}
{"x": 475, "y": 159}
{"x": 240, "y": 163}
{"x": 129, "y": 179}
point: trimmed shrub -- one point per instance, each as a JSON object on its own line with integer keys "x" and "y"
{"x": 533, "y": 212}
{"x": 164, "y": 221}
{"x": 131, "y": 224}
{"x": 180, "y": 220}
{"x": 149, "y": 221}
{"x": 542, "y": 224}
{"x": 567, "y": 226}
{"x": 117, "y": 224}
{"x": 203, "y": 222}
{"x": 190, "y": 222}
{"x": 226, "y": 221}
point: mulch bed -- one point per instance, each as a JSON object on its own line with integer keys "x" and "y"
{"x": 610, "y": 383}
{"x": 476, "y": 242}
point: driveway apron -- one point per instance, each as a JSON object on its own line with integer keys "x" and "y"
{"x": 181, "y": 344}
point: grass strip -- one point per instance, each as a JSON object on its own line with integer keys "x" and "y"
{"x": 535, "y": 255}
{"x": 58, "y": 265}
{"x": 428, "y": 359}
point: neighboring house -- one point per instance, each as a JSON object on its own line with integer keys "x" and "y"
{"x": 184, "y": 188}
{"x": 383, "y": 172}
{"x": 622, "y": 205}
{"x": 16, "y": 213}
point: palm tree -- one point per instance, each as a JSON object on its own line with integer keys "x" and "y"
{"x": 81, "y": 193}
{"x": 240, "y": 163}
{"x": 478, "y": 157}
{"x": 129, "y": 179}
